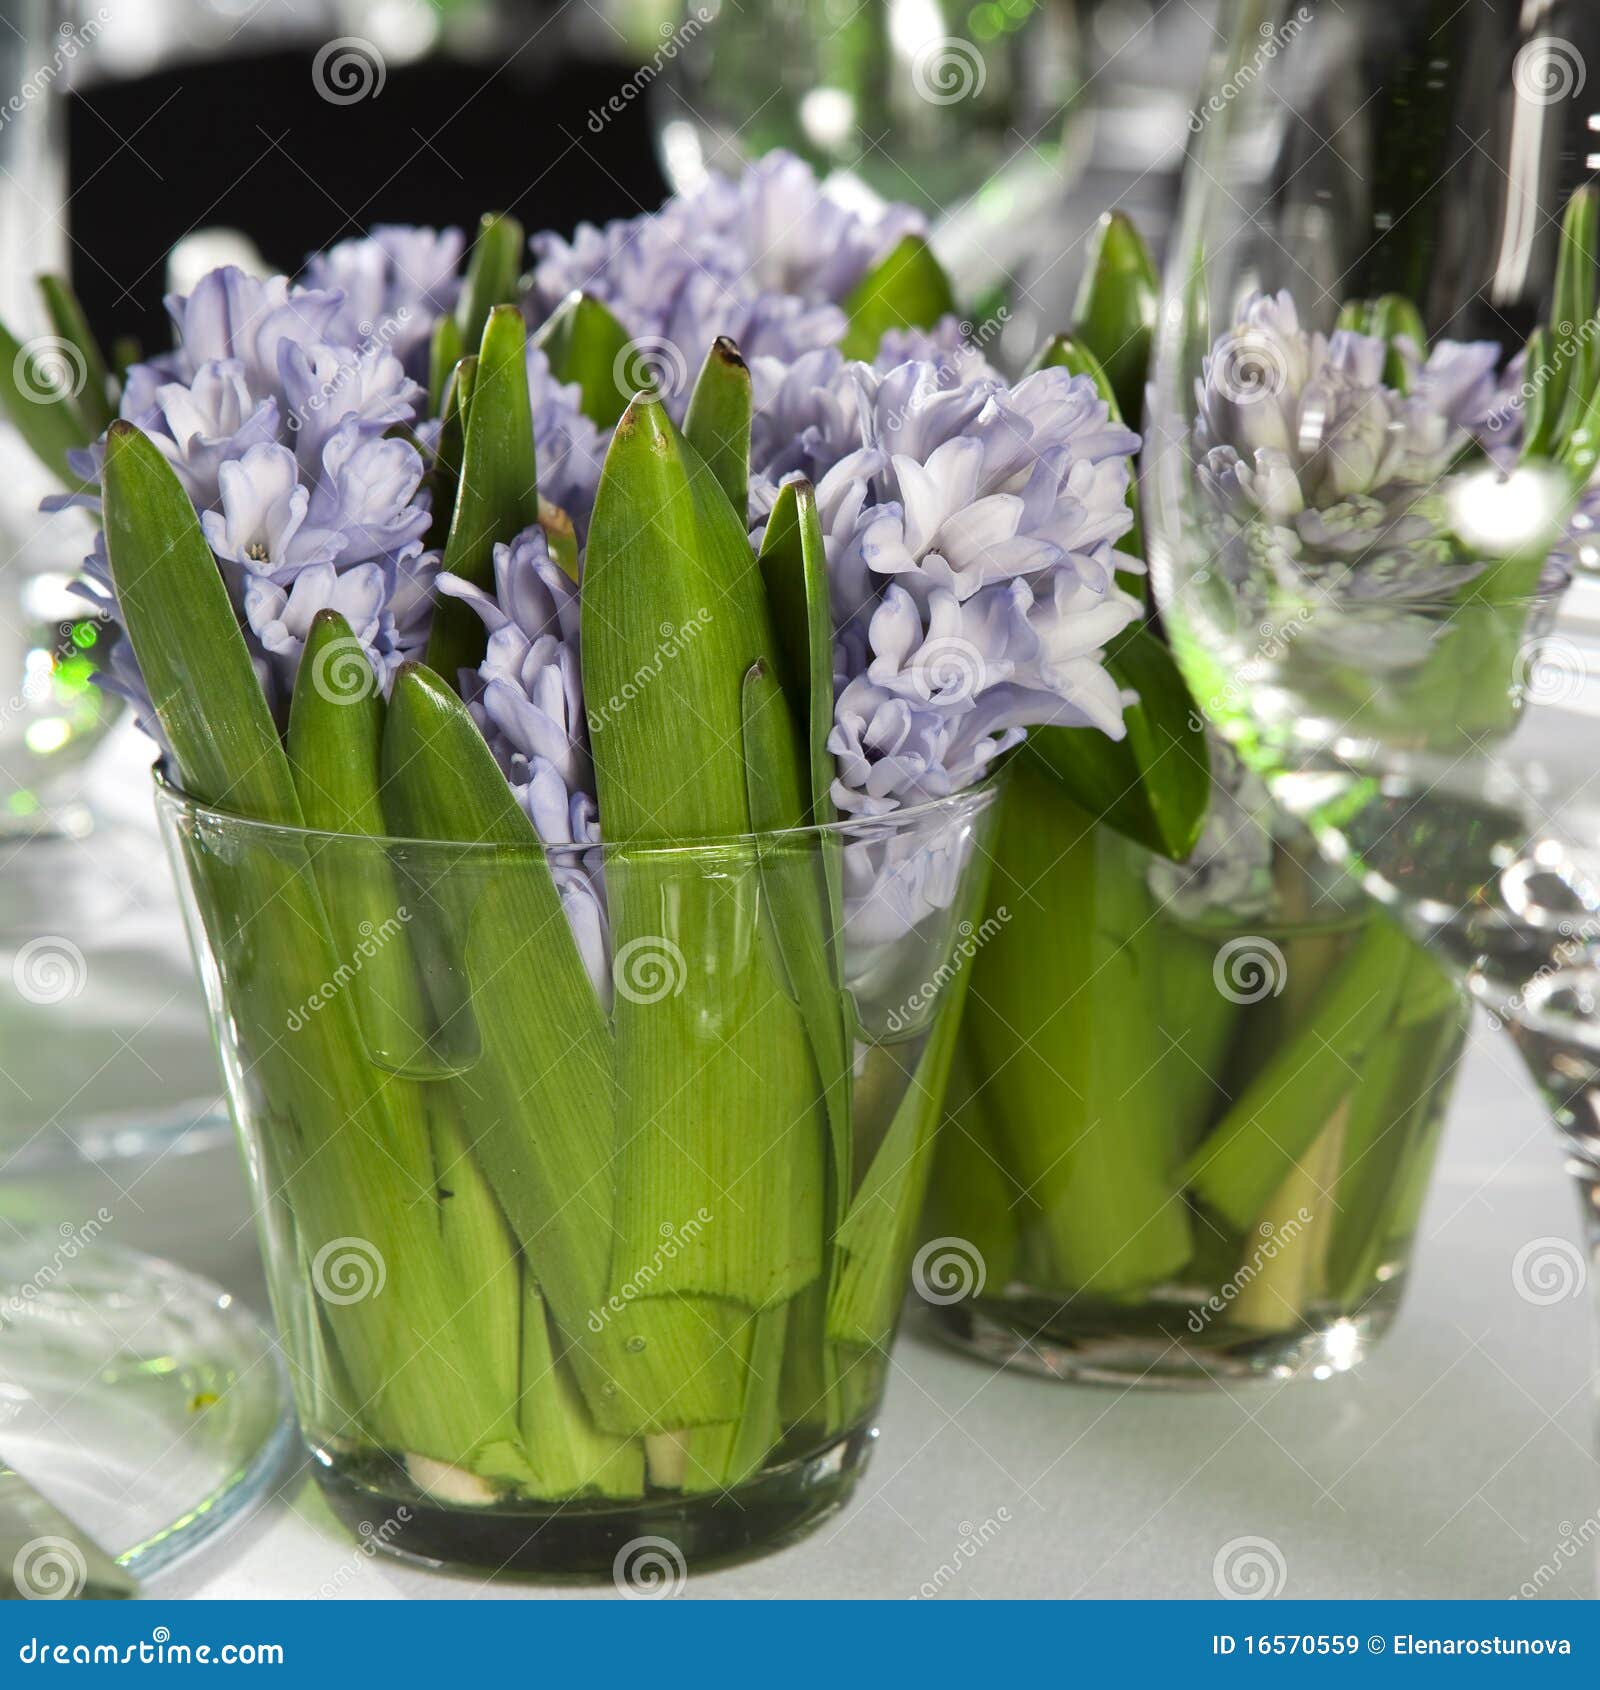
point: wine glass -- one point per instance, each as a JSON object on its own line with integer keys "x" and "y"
{"x": 1369, "y": 506}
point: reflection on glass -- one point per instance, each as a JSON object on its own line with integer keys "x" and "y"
{"x": 1371, "y": 497}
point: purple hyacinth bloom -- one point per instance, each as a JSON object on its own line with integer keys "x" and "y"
{"x": 764, "y": 258}
{"x": 1330, "y": 471}
{"x": 394, "y": 286}
{"x": 278, "y": 431}
{"x": 527, "y": 699}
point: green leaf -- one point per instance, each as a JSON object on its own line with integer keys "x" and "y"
{"x": 1154, "y": 784}
{"x": 1540, "y": 416}
{"x": 587, "y": 345}
{"x": 39, "y": 407}
{"x": 718, "y": 423}
{"x": 718, "y": 1097}
{"x": 1294, "y": 1093}
{"x": 1572, "y": 323}
{"x": 1355, "y": 316}
{"x": 906, "y": 290}
{"x": 498, "y": 495}
{"x": 444, "y": 353}
{"x": 444, "y": 478}
{"x": 1115, "y": 312}
{"x": 539, "y": 1098}
{"x": 1395, "y": 318}
{"x": 794, "y": 570}
{"x": 95, "y": 410}
{"x": 492, "y": 272}
{"x": 796, "y": 911}
{"x": 186, "y": 637}
{"x": 335, "y": 746}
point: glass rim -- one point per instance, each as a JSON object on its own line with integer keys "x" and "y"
{"x": 969, "y": 801}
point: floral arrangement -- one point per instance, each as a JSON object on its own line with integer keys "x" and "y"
{"x": 711, "y": 528}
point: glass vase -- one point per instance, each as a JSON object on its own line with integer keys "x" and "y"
{"x": 1194, "y": 1109}
{"x": 583, "y": 1275}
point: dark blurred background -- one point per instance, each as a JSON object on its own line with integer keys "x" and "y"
{"x": 248, "y": 143}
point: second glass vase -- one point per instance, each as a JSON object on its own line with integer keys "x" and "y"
{"x": 1194, "y": 1109}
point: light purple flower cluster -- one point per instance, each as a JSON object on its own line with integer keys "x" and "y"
{"x": 1331, "y": 467}
{"x": 394, "y": 285}
{"x": 527, "y": 698}
{"x": 279, "y": 432}
{"x": 764, "y": 258}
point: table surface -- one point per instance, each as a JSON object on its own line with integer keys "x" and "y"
{"x": 1456, "y": 1461}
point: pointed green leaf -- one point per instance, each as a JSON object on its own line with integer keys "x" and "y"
{"x": 794, "y": 570}
{"x": 94, "y": 404}
{"x": 492, "y": 271}
{"x": 1395, "y": 318}
{"x": 444, "y": 353}
{"x": 718, "y": 1096}
{"x": 498, "y": 495}
{"x": 1154, "y": 784}
{"x": 444, "y": 478}
{"x": 906, "y": 290}
{"x": 718, "y": 423}
{"x": 1572, "y": 326}
{"x": 1115, "y": 313}
{"x": 39, "y": 406}
{"x": 186, "y": 637}
{"x": 1540, "y": 417}
{"x": 587, "y": 345}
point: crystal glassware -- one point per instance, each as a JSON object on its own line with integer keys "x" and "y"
{"x": 1378, "y": 580}
{"x": 1194, "y": 1109}
{"x": 538, "y": 1313}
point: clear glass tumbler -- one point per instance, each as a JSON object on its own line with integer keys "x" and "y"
{"x": 578, "y": 1263}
